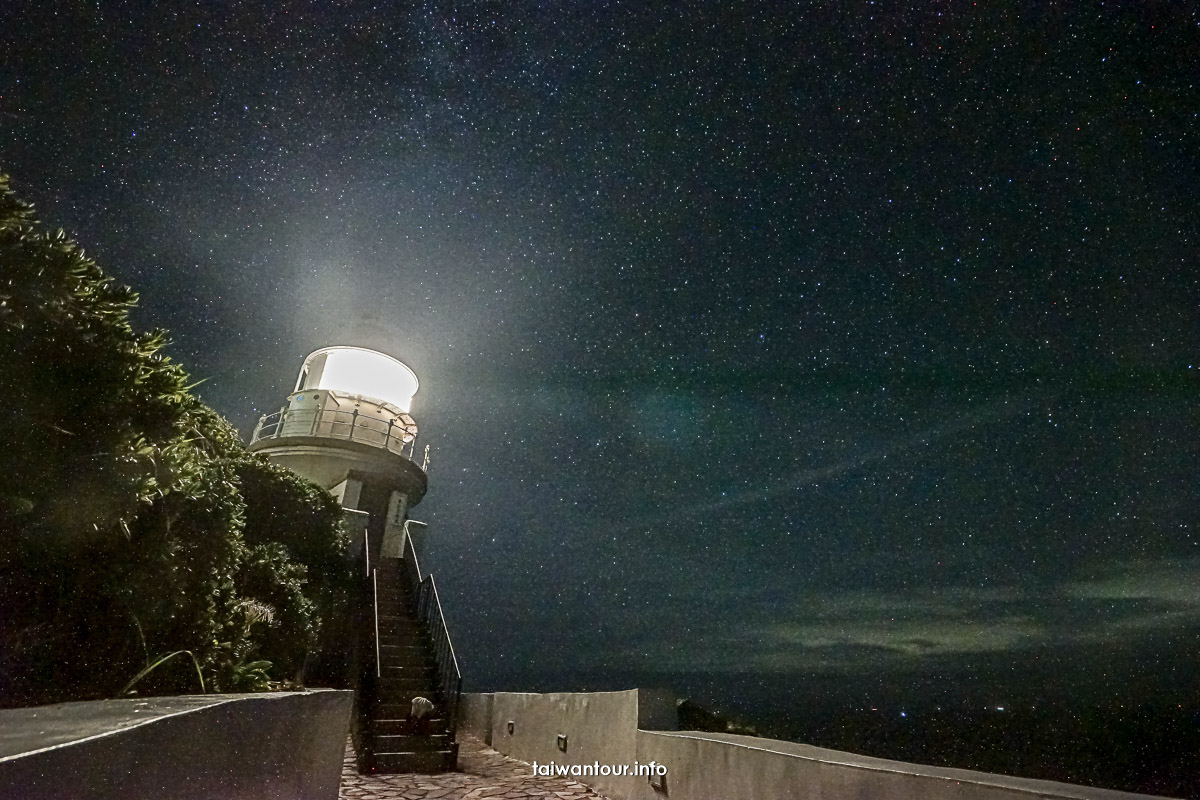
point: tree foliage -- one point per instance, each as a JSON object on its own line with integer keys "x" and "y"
{"x": 133, "y": 523}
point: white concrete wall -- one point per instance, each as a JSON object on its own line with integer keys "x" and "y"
{"x": 599, "y": 726}
{"x": 395, "y": 527}
{"x": 198, "y": 747}
{"x": 705, "y": 766}
{"x": 602, "y": 727}
{"x": 475, "y": 715}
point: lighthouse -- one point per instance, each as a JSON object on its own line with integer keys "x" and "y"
{"x": 348, "y": 427}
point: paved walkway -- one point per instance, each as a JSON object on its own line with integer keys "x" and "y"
{"x": 484, "y": 773}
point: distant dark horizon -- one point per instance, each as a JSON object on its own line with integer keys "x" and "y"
{"x": 831, "y": 339}
{"x": 1050, "y": 679}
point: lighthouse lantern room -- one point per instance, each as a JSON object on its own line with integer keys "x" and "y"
{"x": 348, "y": 427}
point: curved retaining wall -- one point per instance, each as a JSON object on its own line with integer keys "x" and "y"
{"x": 604, "y": 727}
{"x": 206, "y": 747}
{"x": 714, "y": 765}
{"x": 595, "y": 727}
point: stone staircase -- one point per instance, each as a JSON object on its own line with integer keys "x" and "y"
{"x": 407, "y": 670}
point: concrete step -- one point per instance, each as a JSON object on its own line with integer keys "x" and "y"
{"x": 409, "y": 664}
{"x": 395, "y": 706}
{"x": 402, "y": 633}
{"x": 402, "y": 692}
{"x": 396, "y": 607}
{"x": 395, "y": 647}
{"x": 396, "y": 670}
{"x": 413, "y": 661}
{"x": 410, "y": 687}
{"x": 422, "y": 678}
{"x": 390, "y": 648}
{"x": 391, "y": 584}
{"x": 402, "y": 644}
{"x": 411, "y": 743}
{"x": 397, "y": 710}
{"x": 392, "y": 577}
{"x": 407, "y": 651}
{"x": 400, "y": 727}
{"x": 397, "y": 678}
{"x": 428, "y": 761}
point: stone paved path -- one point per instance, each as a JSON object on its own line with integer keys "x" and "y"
{"x": 484, "y": 773}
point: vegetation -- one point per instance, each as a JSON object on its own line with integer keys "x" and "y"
{"x": 134, "y": 526}
{"x": 695, "y": 717}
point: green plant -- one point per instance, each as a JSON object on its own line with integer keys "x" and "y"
{"x": 237, "y": 673}
{"x": 249, "y": 676}
{"x": 132, "y": 518}
{"x": 151, "y": 667}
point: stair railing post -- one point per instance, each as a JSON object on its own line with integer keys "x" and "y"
{"x": 367, "y": 551}
{"x": 375, "y": 587}
{"x": 258, "y": 428}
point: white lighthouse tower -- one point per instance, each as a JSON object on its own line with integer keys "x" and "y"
{"x": 347, "y": 427}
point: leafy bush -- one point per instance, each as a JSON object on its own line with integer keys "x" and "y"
{"x": 271, "y": 576}
{"x": 285, "y": 508}
{"x": 133, "y": 523}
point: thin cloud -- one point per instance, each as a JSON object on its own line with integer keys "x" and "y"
{"x": 985, "y": 415}
{"x": 853, "y": 631}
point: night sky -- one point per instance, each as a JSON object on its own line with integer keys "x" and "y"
{"x": 844, "y": 344}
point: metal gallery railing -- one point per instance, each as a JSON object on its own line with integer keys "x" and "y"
{"x": 428, "y": 609}
{"x": 349, "y": 425}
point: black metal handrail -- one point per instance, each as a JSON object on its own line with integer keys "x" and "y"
{"x": 429, "y": 610}
{"x": 427, "y": 607}
{"x": 390, "y": 434}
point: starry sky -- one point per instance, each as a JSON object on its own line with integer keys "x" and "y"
{"x": 832, "y": 343}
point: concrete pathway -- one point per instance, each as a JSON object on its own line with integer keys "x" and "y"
{"x": 484, "y": 773}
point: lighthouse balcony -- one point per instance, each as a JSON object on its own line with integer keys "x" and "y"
{"x": 352, "y": 426}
